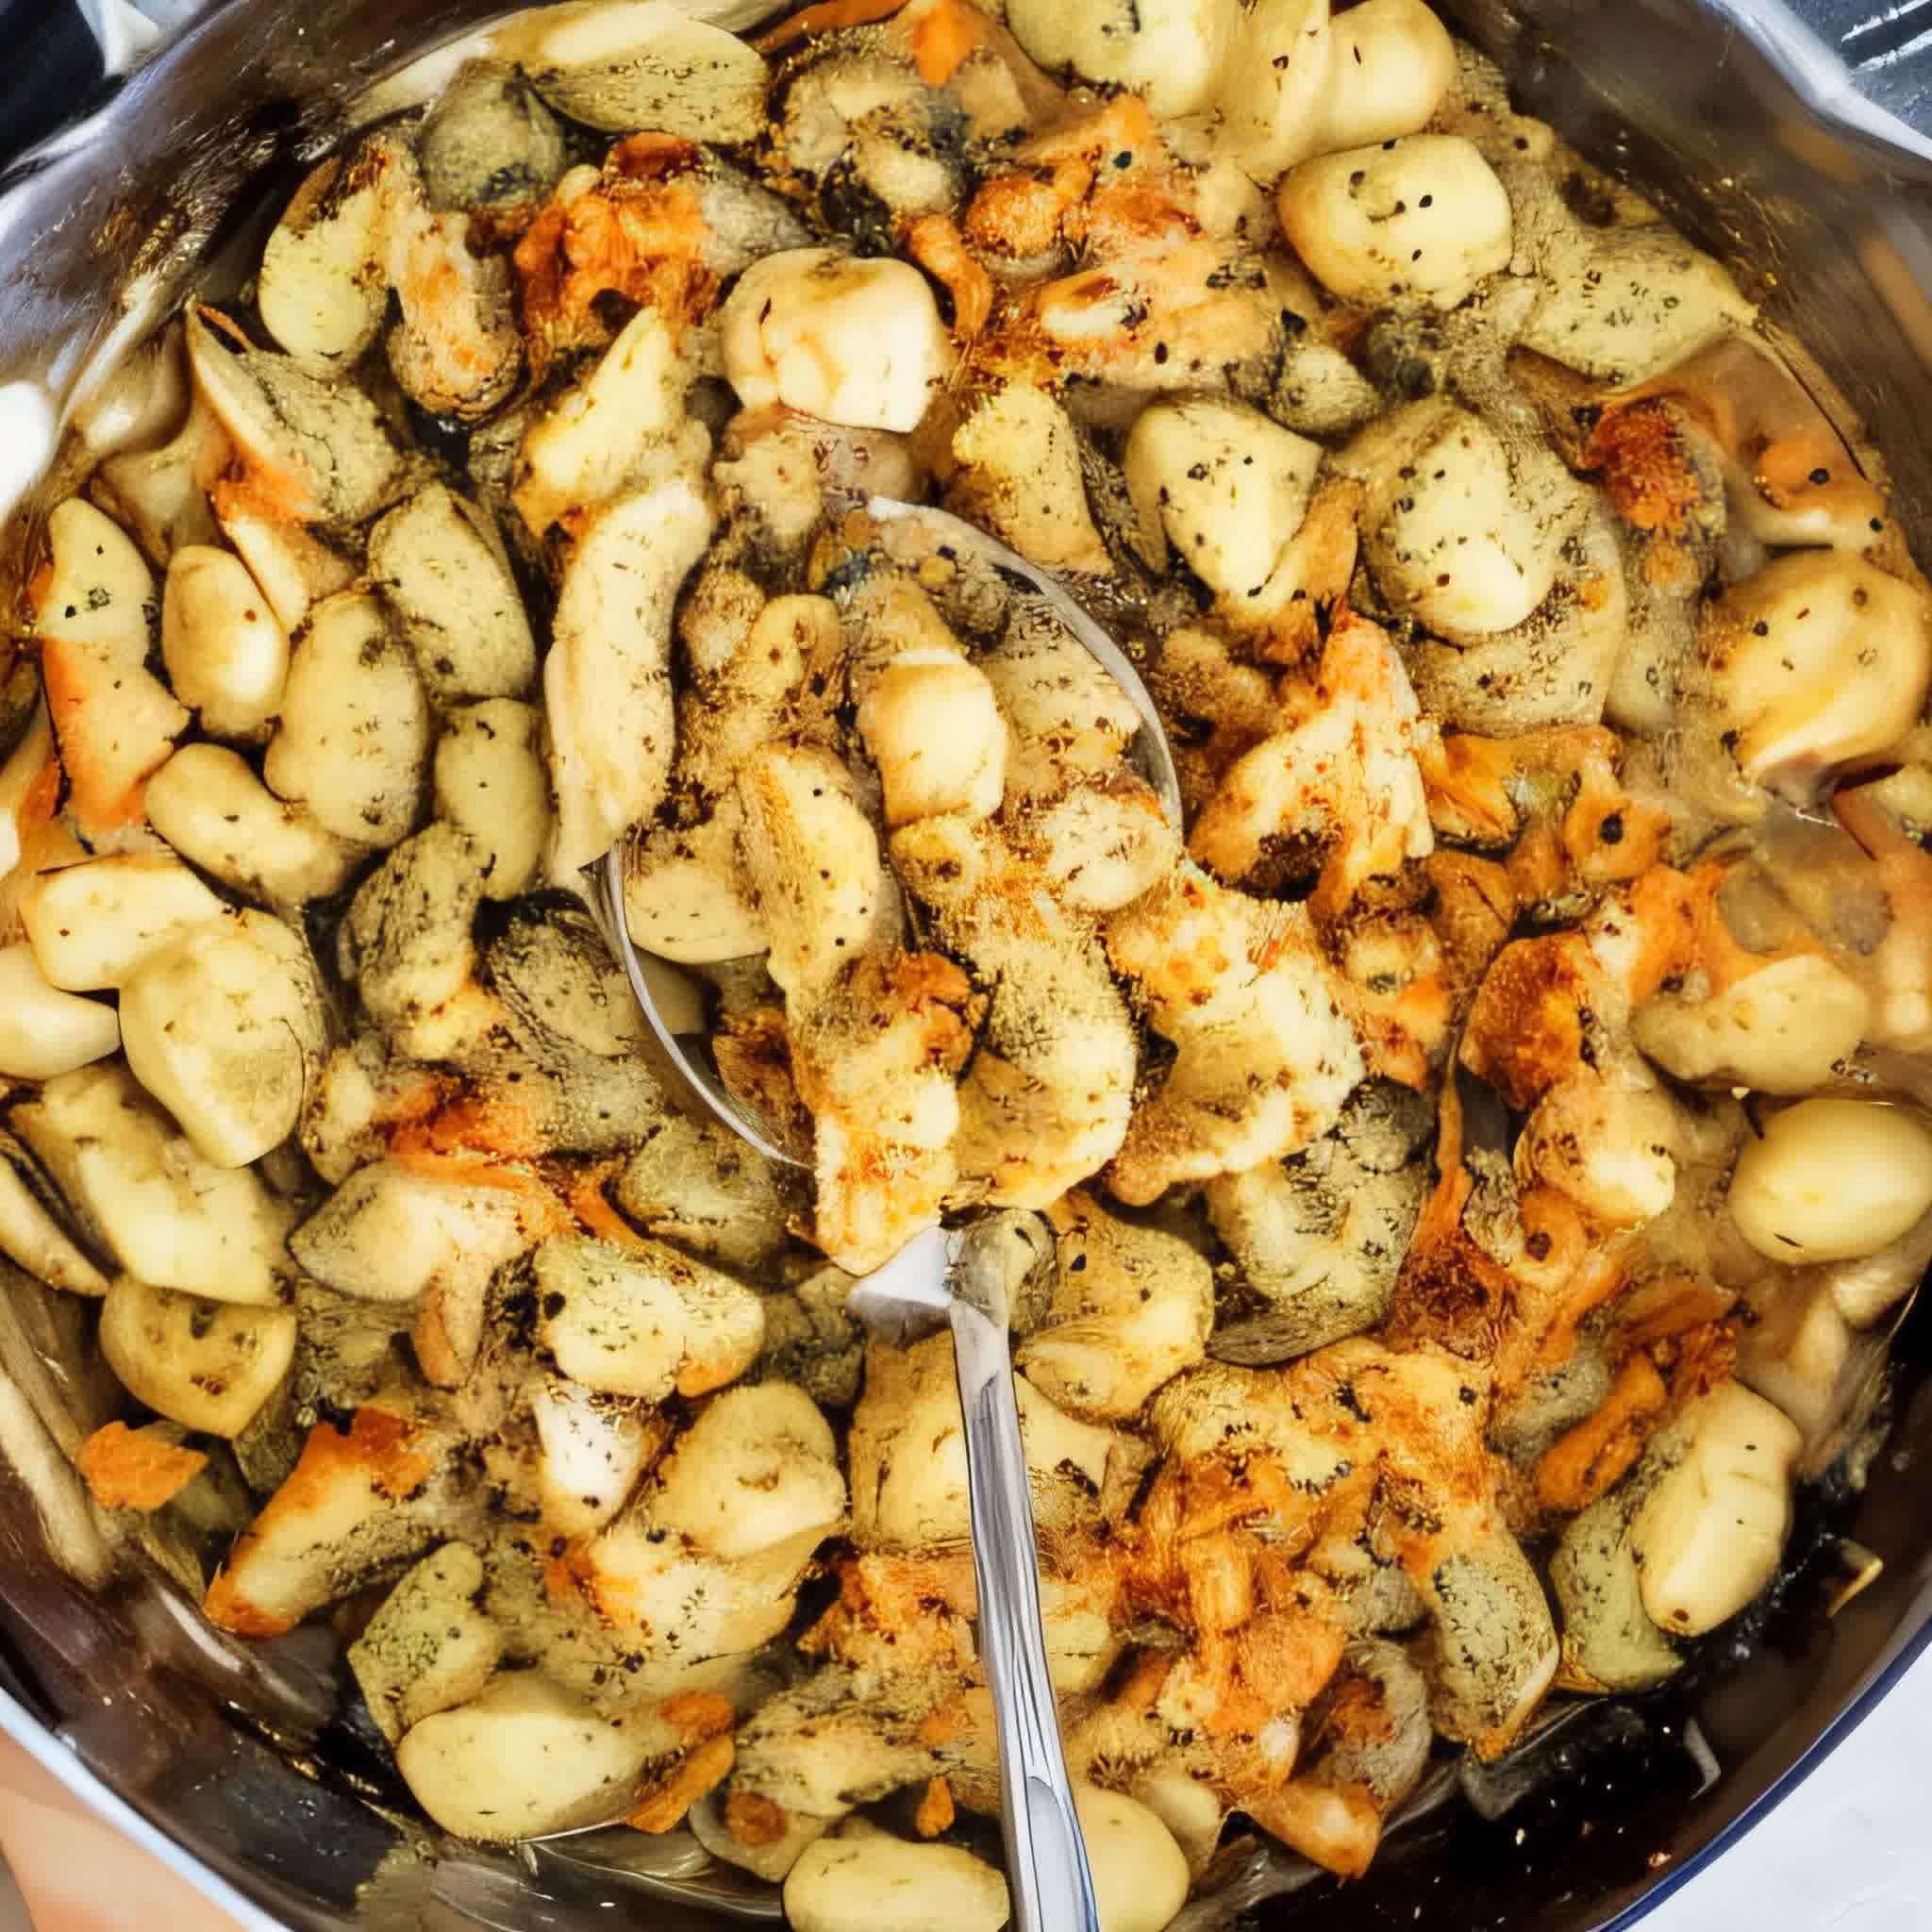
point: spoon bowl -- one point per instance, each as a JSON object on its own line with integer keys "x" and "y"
{"x": 1150, "y": 755}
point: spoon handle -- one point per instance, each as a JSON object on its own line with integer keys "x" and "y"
{"x": 1046, "y": 1858}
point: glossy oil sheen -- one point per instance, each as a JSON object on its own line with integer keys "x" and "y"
{"x": 236, "y": 1752}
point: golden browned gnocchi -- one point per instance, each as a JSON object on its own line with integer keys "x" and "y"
{"x": 1474, "y": 1134}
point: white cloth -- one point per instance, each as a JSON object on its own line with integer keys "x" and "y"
{"x": 125, "y": 32}
{"x": 1849, "y": 1851}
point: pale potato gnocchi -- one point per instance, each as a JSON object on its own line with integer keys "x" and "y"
{"x": 1479, "y": 1135}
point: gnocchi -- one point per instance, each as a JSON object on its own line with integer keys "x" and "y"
{"x": 1423, "y": 217}
{"x": 1832, "y": 1180}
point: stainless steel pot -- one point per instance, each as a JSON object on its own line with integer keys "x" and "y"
{"x": 1783, "y": 142}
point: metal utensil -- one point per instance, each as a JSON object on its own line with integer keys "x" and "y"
{"x": 946, "y": 1278}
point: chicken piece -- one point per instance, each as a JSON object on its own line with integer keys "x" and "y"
{"x": 95, "y": 924}
{"x": 697, "y": 1185}
{"x": 686, "y": 895}
{"x": 1264, "y": 1055}
{"x": 1341, "y": 778}
{"x": 875, "y": 144}
{"x": 1070, "y": 721}
{"x": 1131, "y": 1307}
{"x": 1710, "y": 1531}
{"x": 1101, "y": 846}
{"x": 440, "y": 565}
{"x": 210, "y": 1366}
{"x": 877, "y": 1060}
{"x": 813, "y": 860}
{"x": 140, "y": 1192}
{"x": 1355, "y": 1405}
{"x": 813, "y": 1341}
{"x": 1788, "y": 474}
{"x": 1020, "y": 477}
{"x": 898, "y": 1613}
{"x": 115, "y": 721}
{"x": 431, "y": 1229}
{"x": 1169, "y": 54}
{"x": 760, "y": 669}
{"x": 927, "y": 715}
{"x": 1475, "y": 908}
{"x": 777, "y": 469}
{"x": 1544, "y": 998}
{"x": 489, "y": 142}
{"x": 877, "y": 1034}
{"x": 620, "y": 423}
{"x": 1550, "y": 1032}
{"x": 294, "y": 568}
{"x": 1588, "y": 1460}
{"x": 1161, "y": 306}
{"x": 359, "y": 1500}
{"x": 1047, "y": 1102}
{"x": 1295, "y": 84}
{"x": 307, "y": 451}
{"x": 1227, "y": 490}
{"x": 1618, "y": 301}
{"x": 454, "y": 349}
{"x": 810, "y": 1755}
{"x": 405, "y": 943}
{"x": 323, "y": 287}
{"x": 676, "y": 1605}
{"x": 352, "y": 745}
{"x": 642, "y": 1320}
{"x": 637, "y": 230}
{"x": 1216, "y": 709}
{"x": 522, "y": 1759}
{"x": 942, "y": 1888}
{"x": 1373, "y": 1729}
{"x": 1421, "y": 218}
{"x": 1434, "y": 472}
{"x": 223, "y": 1027}
{"x": 1320, "y": 1238}
{"x": 1556, "y": 666}
{"x": 853, "y": 339}
{"x": 160, "y": 495}
{"x": 754, "y": 1482}
{"x": 227, "y": 654}
{"x": 563, "y": 993}
{"x": 592, "y": 1451}
{"x": 1609, "y": 1644}
{"x": 1555, "y": 798}
{"x": 207, "y": 803}
{"x": 1776, "y": 1015}
{"x": 606, "y": 682}
{"x": 1666, "y": 482}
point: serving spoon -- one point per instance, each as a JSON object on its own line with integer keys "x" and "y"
{"x": 955, "y": 1279}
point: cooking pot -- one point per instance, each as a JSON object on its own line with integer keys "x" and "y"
{"x": 1784, "y": 143}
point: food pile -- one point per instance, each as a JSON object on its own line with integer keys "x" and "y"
{"x": 1453, "y": 1186}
